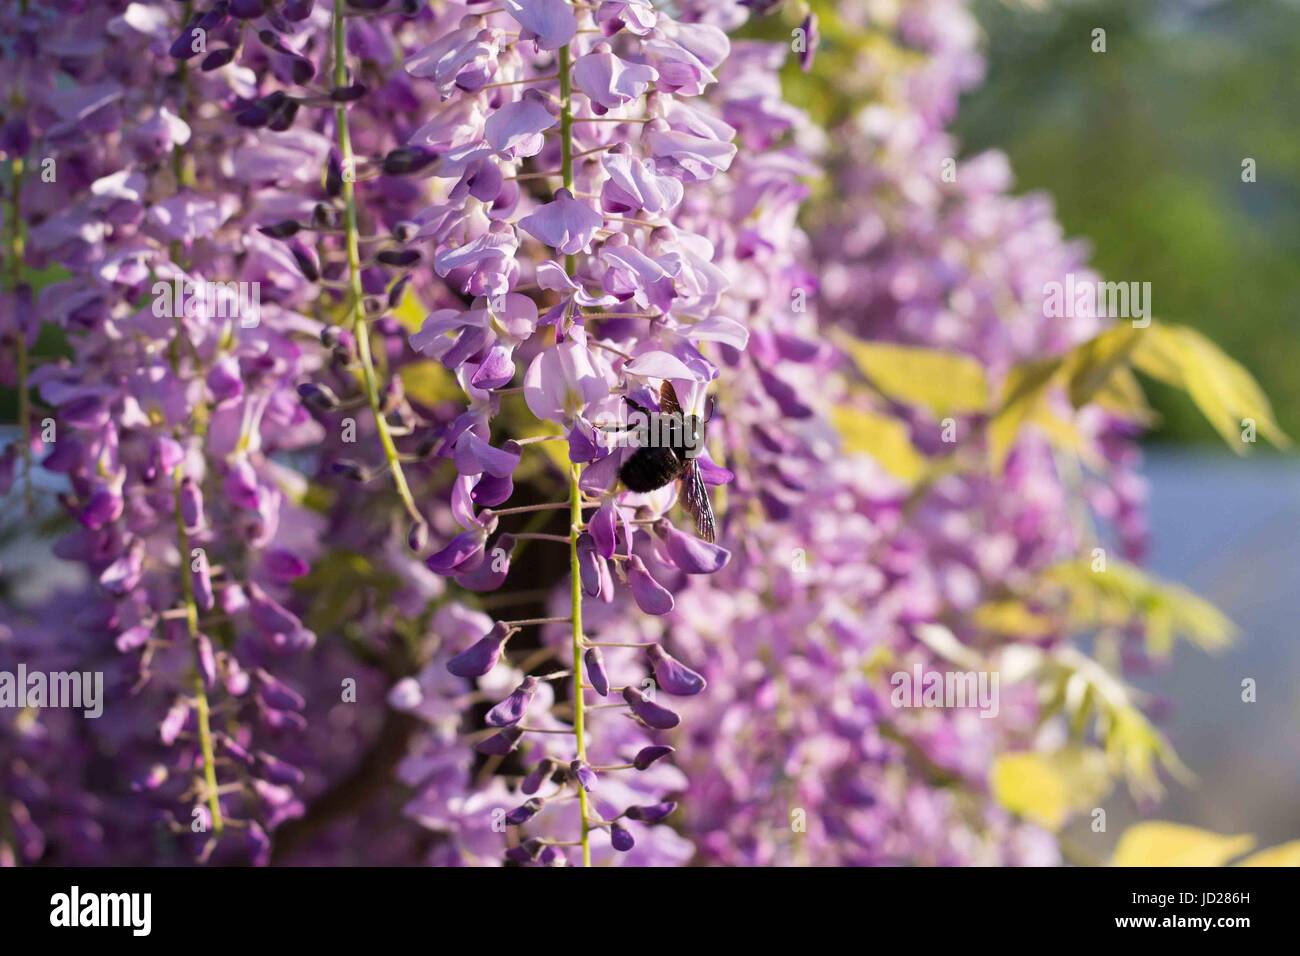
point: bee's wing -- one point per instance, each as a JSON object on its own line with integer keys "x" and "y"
{"x": 695, "y": 499}
{"x": 668, "y": 403}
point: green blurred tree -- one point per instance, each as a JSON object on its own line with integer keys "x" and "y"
{"x": 1142, "y": 148}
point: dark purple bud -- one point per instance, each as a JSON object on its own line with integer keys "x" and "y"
{"x": 348, "y": 94}
{"x": 283, "y": 115}
{"x": 648, "y": 712}
{"x": 277, "y": 771}
{"x": 306, "y": 259}
{"x": 352, "y": 470}
{"x": 253, "y": 116}
{"x": 401, "y": 258}
{"x": 269, "y": 39}
{"x": 418, "y": 537}
{"x": 317, "y": 396}
{"x": 276, "y": 694}
{"x": 186, "y": 45}
{"x": 648, "y": 755}
{"x": 333, "y": 175}
{"x": 367, "y": 4}
{"x": 411, "y": 8}
{"x": 620, "y": 837}
{"x": 650, "y": 596}
{"x": 672, "y": 675}
{"x": 511, "y": 710}
{"x": 324, "y": 216}
{"x": 404, "y": 232}
{"x": 538, "y": 776}
{"x": 297, "y": 10}
{"x": 281, "y": 230}
{"x": 217, "y": 59}
{"x": 525, "y": 812}
{"x": 302, "y": 69}
{"x": 582, "y": 773}
{"x": 482, "y": 656}
{"x": 596, "y": 675}
{"x": 652, "y": 813}
{"x": 406, "y": 160}
{"x": 498, "y": 745}
{"x": 398, "y": 290}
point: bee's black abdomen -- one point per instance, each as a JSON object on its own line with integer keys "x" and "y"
{"x": 650, "y": 468}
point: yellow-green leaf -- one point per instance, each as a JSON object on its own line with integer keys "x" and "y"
{"x": 430, "y": 383}
{"x": 1048, "y": 788}
{"x": 1022, "y": 397}
{"x": 1122, "y": 395}
{"x": 947, "y": 383}
{"x": 1222, "y": 389}
{"x": 1124, "y": 593}
{"x": 1026, "y": 785}
{"x": 1090, "y": 365}
{"x": 1172, "y": 844}
{"x": 410, "y": 311}
{"x": 1284, "y": 854}
{"x": 1012, "y": 618}
{"x": 883, "y": 438}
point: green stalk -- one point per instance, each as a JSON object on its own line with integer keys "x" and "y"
{"x": 200, "y": 693}
{"x": 15, "y": 253}
{"x": 575, "y": 493}
{"x": 360, "y": 330}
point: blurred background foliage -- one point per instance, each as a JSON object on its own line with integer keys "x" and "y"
{"x": 1141, "y": 148}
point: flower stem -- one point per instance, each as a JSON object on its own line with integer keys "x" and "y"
{"x": 575, "y": 492}
{"x": 575, "y": 592}
{"x": 200, "y": 693}
{"x": 360, "y": 330}
{"x": 15, "y": 254}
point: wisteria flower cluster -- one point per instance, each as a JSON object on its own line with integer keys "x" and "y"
{"x": 364, "y": 316}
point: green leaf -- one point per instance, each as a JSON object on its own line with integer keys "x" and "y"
{"x": 1047, "y": 788}
{"x": 1090, "y": 365}
{"x": 1011, "y": 618}
{"x": 1022, "y": 398}
{"x": 429, "y": 383}
{"x": 1222, "y": 389}
{"x": 947, "y": 383}
{"x": 1172, "y": 844}
{"x": 1124, "y": 594}
{"x": 883, "y": 438}
{"x": 1284, "y": 854}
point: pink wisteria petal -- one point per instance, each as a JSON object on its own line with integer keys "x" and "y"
{"x": 550, "y": 22}
{"x": 563, "y": 380}
{"x": 610, "y": 82}
{"x": 516, "y": 128}
{"x": 566, "y": 224}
